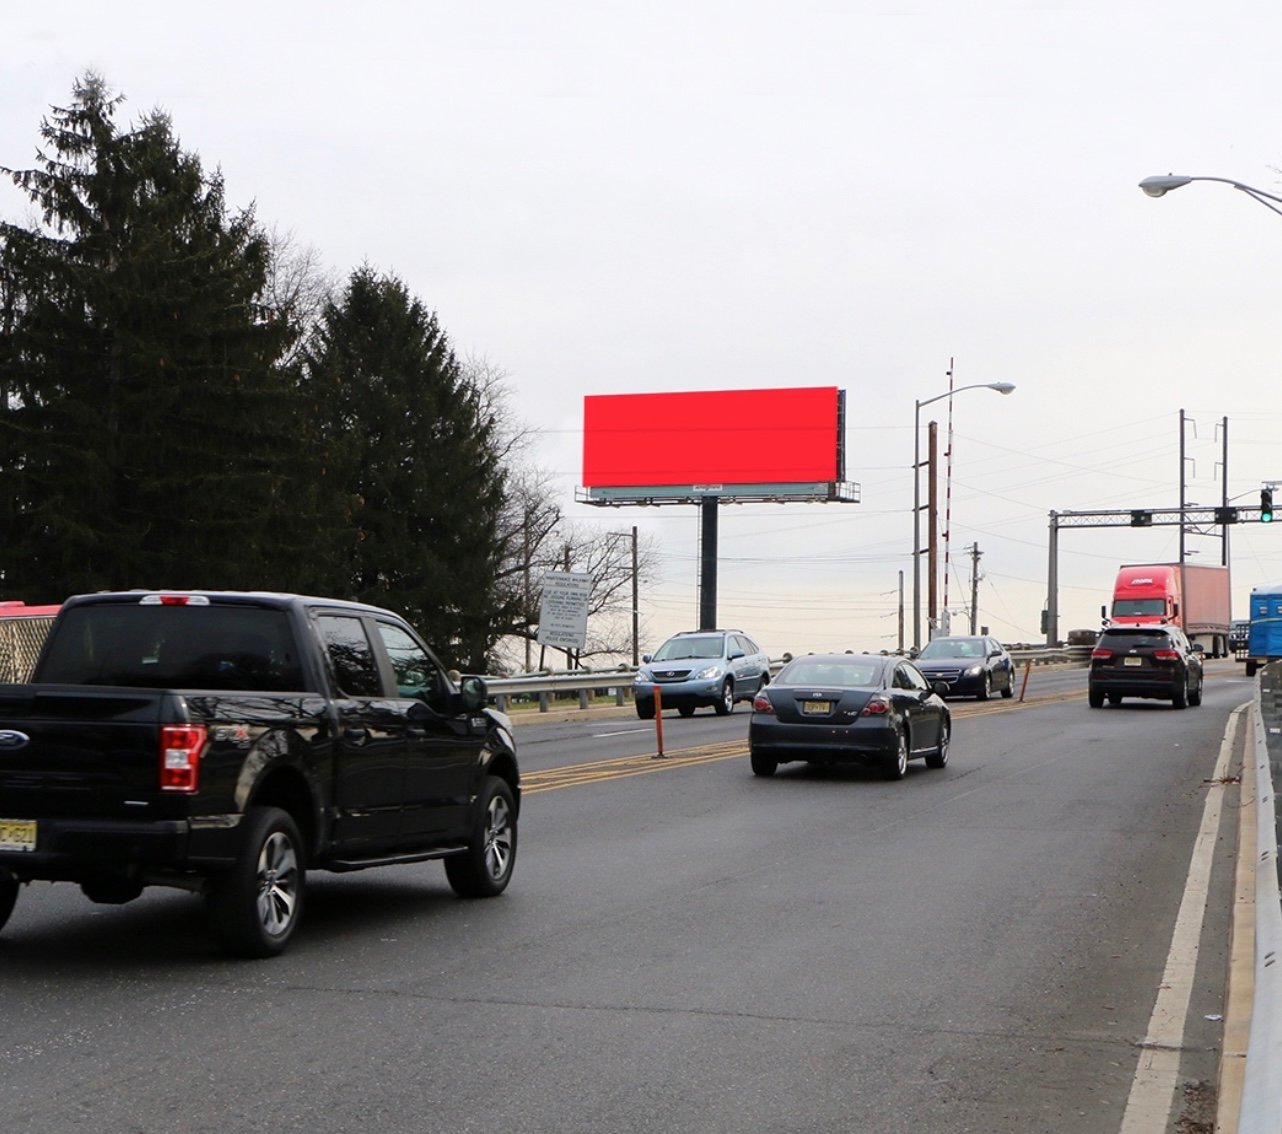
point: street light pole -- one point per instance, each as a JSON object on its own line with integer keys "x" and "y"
{"x": 1159, "y": 186}
{"x": 1001, "y": 388}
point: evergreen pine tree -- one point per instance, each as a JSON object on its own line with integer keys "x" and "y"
{"x": 415, "y": 450}
{"x": 149, "y": 439}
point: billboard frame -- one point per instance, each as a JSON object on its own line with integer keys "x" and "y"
{"x": 815, "y": 492}
{"x": 709, "y": 496}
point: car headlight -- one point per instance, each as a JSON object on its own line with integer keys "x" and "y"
{"x": 706, "y": 673}
{"x": 644, "y": 676}
{"x": 974, "y": 671}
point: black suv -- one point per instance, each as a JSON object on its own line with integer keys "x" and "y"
{"x": 1157, "y": 662}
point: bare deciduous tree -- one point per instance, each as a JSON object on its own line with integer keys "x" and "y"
{"x": 298, "y": 286}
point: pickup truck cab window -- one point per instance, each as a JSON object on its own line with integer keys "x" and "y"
{"x": 180, "y": 647}
{"x": 417, "y": 674}
{"x": 350, "y": 655}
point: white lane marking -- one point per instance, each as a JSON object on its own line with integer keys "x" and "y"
{"x": 1153, "y": 1090}
{"x": 621, "y": 732}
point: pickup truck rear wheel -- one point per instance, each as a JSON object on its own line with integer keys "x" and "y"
{"x": 486, "y": 868}
{"x": 255, "y": 907}
{"x": 8, "y": 896}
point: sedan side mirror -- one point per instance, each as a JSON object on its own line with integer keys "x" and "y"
{"x": 940, "y": 687}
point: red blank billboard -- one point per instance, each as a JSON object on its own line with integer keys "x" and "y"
{"x": 787, "y": 436}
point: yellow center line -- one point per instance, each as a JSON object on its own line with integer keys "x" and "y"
{"x": 624, "y": 767}
{"x": 571, "y": 775}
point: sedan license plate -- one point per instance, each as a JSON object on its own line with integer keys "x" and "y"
{"x": 1132, "y": 661}
{"x": 816, "y": 707}
{"x": 17, "y": 834}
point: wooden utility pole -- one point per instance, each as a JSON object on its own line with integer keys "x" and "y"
{"x": 975, "y": 553}
{"x": 901, "y": 612}
{"x": 932, "y": 533}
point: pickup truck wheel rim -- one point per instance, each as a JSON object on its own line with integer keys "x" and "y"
{"x": 498, "y": 838}
{"x": 277, "y": 883}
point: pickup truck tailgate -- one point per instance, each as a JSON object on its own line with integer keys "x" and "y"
{"x": 71, "y": 751}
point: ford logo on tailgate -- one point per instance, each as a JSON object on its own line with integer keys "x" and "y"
{"x": 11, "y": 739}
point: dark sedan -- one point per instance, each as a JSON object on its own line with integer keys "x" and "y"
{"x": 970, "y": 665}
{"x": 849, "y": 708}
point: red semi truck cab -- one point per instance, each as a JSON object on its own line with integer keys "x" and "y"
{"x": 1147, "y": 593}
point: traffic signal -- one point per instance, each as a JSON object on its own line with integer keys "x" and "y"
{"x": 1266, "y": 505}
{"x": 1226, "y": 515}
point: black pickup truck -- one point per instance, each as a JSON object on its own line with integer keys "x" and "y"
{"x": 226, "y": 743}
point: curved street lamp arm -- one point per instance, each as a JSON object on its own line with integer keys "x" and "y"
{"x": 1158, "y": 186}
{"x": 1260, "y": 195}
{"x": 1000, "y": 387}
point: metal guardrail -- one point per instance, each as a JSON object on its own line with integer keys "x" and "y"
{"x": 546, "y": 684}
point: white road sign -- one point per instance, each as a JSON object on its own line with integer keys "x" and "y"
{"x": 563, "y": 613}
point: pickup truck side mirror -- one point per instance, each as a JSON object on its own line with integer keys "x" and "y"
{"x": 472, "y": 693}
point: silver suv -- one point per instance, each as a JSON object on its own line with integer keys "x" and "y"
{"x": 701, "y": 667}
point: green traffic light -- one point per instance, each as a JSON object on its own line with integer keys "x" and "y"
{"x": 1266, "y": 505}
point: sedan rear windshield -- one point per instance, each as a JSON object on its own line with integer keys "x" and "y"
{"x": 847, "y": 675}
{"x": 173, "y": 647}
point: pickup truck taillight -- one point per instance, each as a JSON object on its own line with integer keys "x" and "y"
{"x": 180, "y": 751}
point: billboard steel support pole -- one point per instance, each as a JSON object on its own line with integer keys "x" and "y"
{"x": 636, "y": 602}
{"x": 708, "y": 562}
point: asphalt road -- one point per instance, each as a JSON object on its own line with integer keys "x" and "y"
{"x": 684, "y": 948}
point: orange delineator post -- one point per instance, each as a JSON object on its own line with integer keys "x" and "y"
{"x": 658, "y": 721}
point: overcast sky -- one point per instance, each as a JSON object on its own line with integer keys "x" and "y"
{"x": 605, "y": 198}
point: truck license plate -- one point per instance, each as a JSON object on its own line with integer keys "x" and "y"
{"x": 17, "y": 834}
